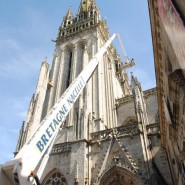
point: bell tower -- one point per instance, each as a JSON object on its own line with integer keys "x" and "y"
{"x": 111, "y": 135}
{"x": 79, "y": 39}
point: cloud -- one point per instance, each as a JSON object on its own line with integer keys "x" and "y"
{"x": 7, "y": 144}
{"x": 6, "y": 129}
{"x": 16, "y": 61}
{"x": 20, "y": 106}
{"x": 11, "y": 120}
{"x": 22, "y": 114}
{"x": 7, "y": 44}
{"x": 24, "y": 44}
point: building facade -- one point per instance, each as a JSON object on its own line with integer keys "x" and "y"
{"x": 111, "y": 136}
{"x": 168, "y": 33}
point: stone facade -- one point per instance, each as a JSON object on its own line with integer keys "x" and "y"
{"x": 168, "y": 33}
{"x": 111, "y": 136}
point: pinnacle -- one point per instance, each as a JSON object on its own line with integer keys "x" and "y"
{"x": 69, "y": 14}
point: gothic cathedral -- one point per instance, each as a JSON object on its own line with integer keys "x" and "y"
{"x": 112, "y": 135}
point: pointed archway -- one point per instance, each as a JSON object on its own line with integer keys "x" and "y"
{"x": 118, "y": 175}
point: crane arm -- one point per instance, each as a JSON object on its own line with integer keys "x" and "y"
{"x": 30, "y": 155}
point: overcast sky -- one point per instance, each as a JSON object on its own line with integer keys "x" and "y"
{"x": 26, "y": 30}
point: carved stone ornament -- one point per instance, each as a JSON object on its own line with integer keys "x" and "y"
{"x": 130, "y": 129}
{"x": 119, "y": 175}
{"x": 61, "y": 148}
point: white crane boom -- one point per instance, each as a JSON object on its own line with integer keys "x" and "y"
{"x": 18, "y": 170}
{"x": 128, "y": 63}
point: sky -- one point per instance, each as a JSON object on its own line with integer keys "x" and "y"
{"x": 26, "y": 32}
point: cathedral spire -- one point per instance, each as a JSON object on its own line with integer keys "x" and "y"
{"x": 88, "y": 9}
{"x": 84, "y": 5}
{"x": 87, "y": 17}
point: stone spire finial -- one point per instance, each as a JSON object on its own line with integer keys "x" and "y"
{"x": 88, "y": 9}
{"x": 133, "y": 84}
{"x": 68, "y": 19}
{"x": 69, "y": 14}
{"x": 85, "y": 5}
{"x": 134, "y": 81}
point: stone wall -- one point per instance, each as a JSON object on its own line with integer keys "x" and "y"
{"x": 125, "y": 109}
{"x": 69, "y": 159}
{"x": 151, "y": 105}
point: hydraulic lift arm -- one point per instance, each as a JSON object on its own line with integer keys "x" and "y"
{"x": 17, "y": 171}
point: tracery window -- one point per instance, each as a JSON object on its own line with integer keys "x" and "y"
{"x": 118, "y": 175}
{"x": 55, "y": 178}
{"x": 130, "y": 120}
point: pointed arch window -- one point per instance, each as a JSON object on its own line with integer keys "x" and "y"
{"x": 69, "y": 68}
{"x": 55, "y": 178}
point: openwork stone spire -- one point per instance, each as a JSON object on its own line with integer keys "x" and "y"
{"x": 88, "y": 16}
{"x": 84, "y": 5}
{"x": 88, "y": 8}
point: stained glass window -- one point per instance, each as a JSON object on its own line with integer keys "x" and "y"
{"x": 55, "y": 178}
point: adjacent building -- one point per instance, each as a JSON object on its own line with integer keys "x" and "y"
{"x": 168, "y": 33}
